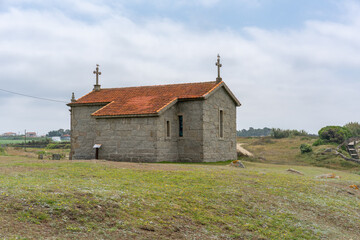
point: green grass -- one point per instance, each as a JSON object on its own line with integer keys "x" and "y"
{"x": 2, "y": 151}
{"x": 6, "y": 141}
{"x": 107, "y": 200}
{"x": 222, "y": 163}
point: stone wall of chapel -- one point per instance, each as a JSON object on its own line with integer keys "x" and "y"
{"x": 122, "y": 139}
{"x": 215, "y": 147}
{"x": 167, "y": 146}
{"x": 187, "y": 148}
{"x": 190, "y": 146}
{"x": 127, "y": 139}
{"x": 83, "y": 132}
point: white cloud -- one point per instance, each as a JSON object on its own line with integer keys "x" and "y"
{"x": 208, "y": 3}
{"x": 288, "y": 79}
{"x": 212, "y": 3}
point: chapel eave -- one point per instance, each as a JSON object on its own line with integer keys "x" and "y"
{"x": 75, "y": 104}
{"x": 127, "y": 115}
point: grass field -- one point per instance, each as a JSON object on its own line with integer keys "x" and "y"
{"x": 5, "y": 141}
{"x": 111, "y": 200}
{"x": 13, "y": 141}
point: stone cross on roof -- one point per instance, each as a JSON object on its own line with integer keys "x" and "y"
{"x": 219, "y": 65}
{"x": 97, "y": 86}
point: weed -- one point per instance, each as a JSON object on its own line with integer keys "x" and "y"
{"x": 305, "y": 148}
{"x": 2, "y": 151}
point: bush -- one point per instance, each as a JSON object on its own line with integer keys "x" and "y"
{"x": 354, "y": 128}
{"x": 305, "y": 148}
{"x": 334, "y": 134}
{"x": 52, "y": 146}
{"x": 280, "y": 133}
{"x": 60, "y": 145}
{"x": 319, "y": 142}
{"x": 2, "y": 151}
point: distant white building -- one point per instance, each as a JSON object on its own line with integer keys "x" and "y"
{"x": 9, "y": 134}
{"x": 56, "y": 139}
{"x": 65, "y": 137}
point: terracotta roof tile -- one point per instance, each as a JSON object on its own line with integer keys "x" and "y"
{"x": 143, "y": 100}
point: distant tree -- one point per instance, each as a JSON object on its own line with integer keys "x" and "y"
{"x": 67, "y": 131}
{"x": 354, "y": 128}
{"x": 254, "y": 132}
{"x": 58, "y": 133}
{"x": 281, "y": 133}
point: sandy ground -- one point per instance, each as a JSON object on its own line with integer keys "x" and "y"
{"x": 242, "y": 150}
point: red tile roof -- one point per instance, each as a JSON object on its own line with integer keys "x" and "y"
{"x": 143, "y": 100}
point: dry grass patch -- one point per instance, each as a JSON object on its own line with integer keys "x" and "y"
{"x": 287, "y": 151}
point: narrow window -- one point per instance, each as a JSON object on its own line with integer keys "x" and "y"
{"x": 168, "y": 129}
{"x": 180, "y": 126}
{"x": 221, "y": 123}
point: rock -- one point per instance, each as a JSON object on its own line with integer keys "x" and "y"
{"x": 354, "y": 187}
{"x": 328, "y": 150}
{"x": 237, "y": 163}
{"x": 294, "y": 171}
{"x": 41, "y": 156}
{"x": 56, "y": 157}
{"x": 328, "y": 175}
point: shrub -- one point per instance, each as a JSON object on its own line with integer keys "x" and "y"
{"x": 319, "y": 142}
{"x": 335, "y": 134}
{"x": 298, "y": 133}
{"x": 51, "y": 146}
{"x": 60, "y": 145}
{"x": 2, "y": 151}
{"x": 354, "y": 128}
{"x": 280, "y": 133}
{"x": 305, "y": 148}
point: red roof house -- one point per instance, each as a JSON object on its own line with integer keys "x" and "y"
{"x": 9, "y": 134}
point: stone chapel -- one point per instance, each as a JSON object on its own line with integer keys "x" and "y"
{"x": 189, "y": 122}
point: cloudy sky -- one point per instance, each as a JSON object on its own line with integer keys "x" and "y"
{"x": 292, "y": 64}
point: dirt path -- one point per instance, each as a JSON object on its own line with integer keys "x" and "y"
{"x": 242, "y": 150}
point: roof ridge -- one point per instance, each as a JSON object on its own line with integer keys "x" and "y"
{"x": 218, "y": 84}
{"x": 159, "y": 85}
{"x": 145, "y": 99}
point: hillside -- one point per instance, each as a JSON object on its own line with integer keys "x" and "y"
{"x": 112, "y": 200}
{"x": 287, "y": 151}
